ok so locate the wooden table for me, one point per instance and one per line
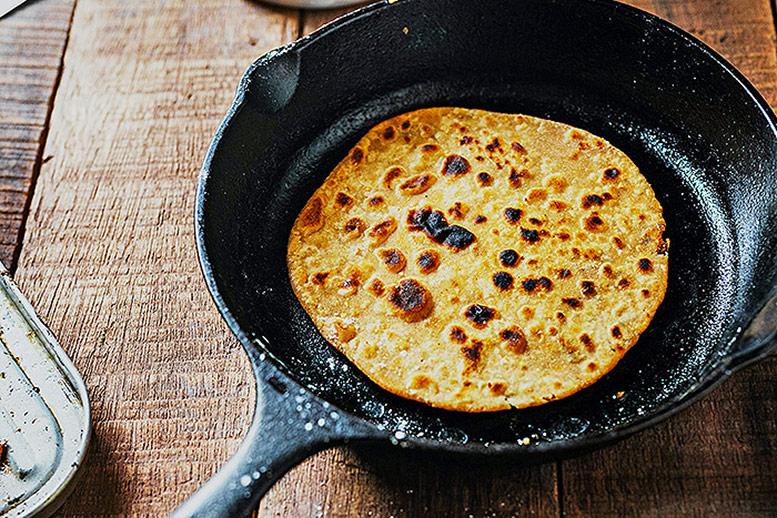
(106, 109)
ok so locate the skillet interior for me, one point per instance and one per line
(703, 139)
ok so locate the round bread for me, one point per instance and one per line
(478, 261)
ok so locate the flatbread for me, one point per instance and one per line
(478, 261)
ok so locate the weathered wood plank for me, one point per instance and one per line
(32, 43)
(312, 20)
(346, 482)
(108, 259)
(717, 458)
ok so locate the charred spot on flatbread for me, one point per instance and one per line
(457, 335)
(354, 228)
(515, 179)
(479, 315)
(394, 260)
(410, 300)
(594, 223)
(531, 285)
(417, 184)
(512, 215)
(455, 166)
(472, 355)
(509, 257)
(320, 278)
(484, 179)
(380, 232)
(530, 235)
(502, 280)
(376, 287)
(375, 201)
(515, 339)
(391, 175)
(458, 210)
(588, 288)
(436, 227)
(572, 302)
(342, 200)
(312, 217)
(428, 261)
(357, 155)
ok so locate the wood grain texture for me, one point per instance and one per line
(717, 458)
(312, 20)
(109, 259)
(32, 42)
(383, 483)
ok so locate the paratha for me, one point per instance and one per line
(478, 261)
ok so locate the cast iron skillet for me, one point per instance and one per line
(700, 133)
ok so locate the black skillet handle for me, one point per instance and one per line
(759, 337)
(289, 424)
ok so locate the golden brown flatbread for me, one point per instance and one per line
(479, 261)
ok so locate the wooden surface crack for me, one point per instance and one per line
(32, 46)
(39, 161)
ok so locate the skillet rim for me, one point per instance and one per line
(558, 448)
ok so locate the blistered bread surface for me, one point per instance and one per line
(478, 261)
